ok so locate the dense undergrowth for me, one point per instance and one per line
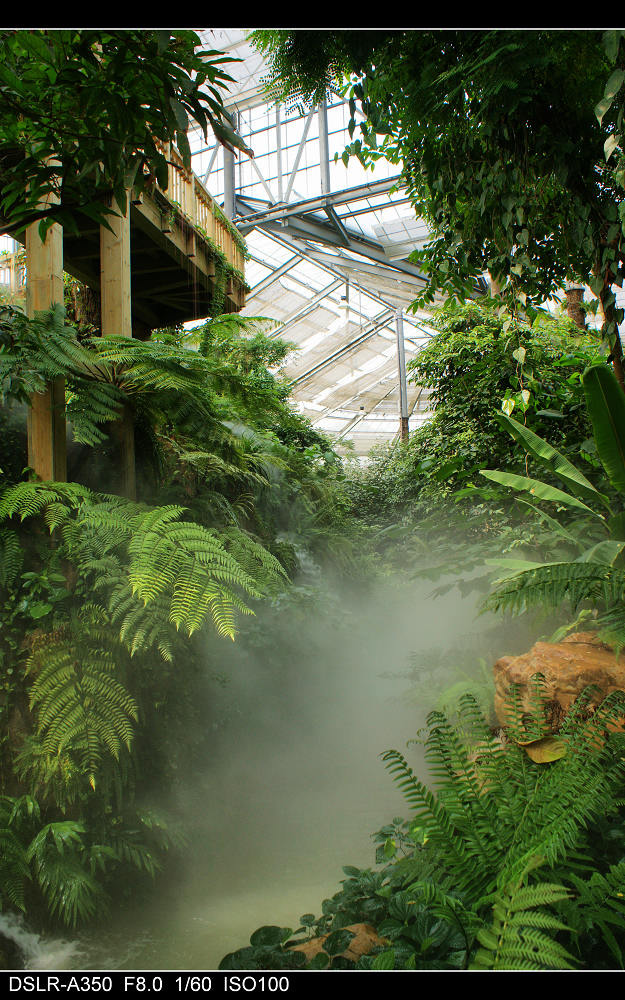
(504, 862)
(105, 603)
(103, 598)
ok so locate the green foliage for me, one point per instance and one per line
(596, 575)
(77, 699)
(424, 497)
(505, 863)
(528, 203)
(92, 585)
(517, 938)
(85, 114)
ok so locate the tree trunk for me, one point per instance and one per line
(574, 299)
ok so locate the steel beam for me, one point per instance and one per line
(317, 204)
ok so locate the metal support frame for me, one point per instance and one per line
(324, 147)
(302, 224)
(366, 334)
(362, 416)
(403, 390)
(298, 155)
(304, 310)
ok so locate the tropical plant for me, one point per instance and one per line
(88, 113)
(596, 574)
(505, 862)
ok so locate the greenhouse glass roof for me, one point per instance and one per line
(328, 251)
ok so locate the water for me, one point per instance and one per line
(39, 952)
(294, 786)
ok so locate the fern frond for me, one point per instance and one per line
(71, 891)
(495, 810)
(31, 499)
(77, 699)
(600, 904)
(551, 584)
(518, 937)
(90, 404)
(11, 557)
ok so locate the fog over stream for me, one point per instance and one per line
(293, 785)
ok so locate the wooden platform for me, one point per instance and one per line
(176, 239)
(168, 258)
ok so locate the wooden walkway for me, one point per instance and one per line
(179, 241)
(170, 258)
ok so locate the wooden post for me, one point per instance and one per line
(117, 322)
(47, 454)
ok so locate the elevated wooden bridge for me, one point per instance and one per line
(185, 257)
(171, 258)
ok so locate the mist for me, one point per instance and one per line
(290, 786)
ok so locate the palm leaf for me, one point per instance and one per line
(538, 489)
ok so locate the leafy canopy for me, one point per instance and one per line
(84, 114)
(500, 146)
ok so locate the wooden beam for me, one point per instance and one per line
(115, 276)
(46, 417)
(117, 322)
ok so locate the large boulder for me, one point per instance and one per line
(567, 667)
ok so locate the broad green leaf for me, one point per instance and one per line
(182, 120)
(616, 525)
(515, 565)
(603, 552)
(553, 524)
(606, 406)
(385, 960)
(447, 469)
(269, 935)
(610, 145)
(543, 452)
(540, 490)
(507, 406)
(614, 84)
(228, 137)
(39, 610)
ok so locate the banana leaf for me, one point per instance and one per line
(606, 406)
(557, 463)
(539, 490)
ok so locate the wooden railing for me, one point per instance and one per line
(187, 191)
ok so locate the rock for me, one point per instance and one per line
(365, 940)
(568, 667)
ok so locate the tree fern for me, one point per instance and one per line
(160, 555)
(78, 700)
(36, 351)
